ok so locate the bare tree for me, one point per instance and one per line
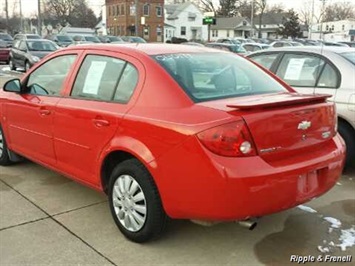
(339, 11)
(305, 13)
(276, 8)
(261, 4)
(206, 5)
(227, 8)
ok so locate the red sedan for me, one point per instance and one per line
(172, 131)
(4, 52)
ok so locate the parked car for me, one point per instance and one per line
(350, 44)
(335, 44)
(109, 39)
(61, 40)
(22, 36)
(228, 40)
(172, 131)
(26, 53)
(277, 44)
(4, 52)
(235, 48)
(86, 38)
(6, 38)
(324, 69)
(133, 39)
(253, 47)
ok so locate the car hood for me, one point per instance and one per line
(40, 54)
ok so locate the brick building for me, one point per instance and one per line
(121, 18)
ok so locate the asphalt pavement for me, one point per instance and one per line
(48, 219)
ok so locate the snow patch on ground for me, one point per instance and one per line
(347, 238)
(335, 223)
(306, 208)
(323, 249)
(6, 68)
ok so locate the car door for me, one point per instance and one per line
(29, 115)
(308, 73)
(21, 54)
(87, 119)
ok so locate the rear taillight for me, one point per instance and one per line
(232, 140)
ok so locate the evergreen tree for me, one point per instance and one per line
(291, 26)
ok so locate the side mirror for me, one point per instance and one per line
(13, 85)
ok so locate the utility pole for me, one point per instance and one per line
(311, 22)
(21, 21)
(7, 15)
(39, 25)
(252, 18)
(137, 17)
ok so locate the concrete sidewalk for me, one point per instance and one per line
(47, 219)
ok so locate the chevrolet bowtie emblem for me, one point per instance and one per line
(304, 125)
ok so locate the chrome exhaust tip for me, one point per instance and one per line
(250, 224)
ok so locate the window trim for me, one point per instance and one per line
(148, 13)
(117, 83)
(63, 90)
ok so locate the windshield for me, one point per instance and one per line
(138, 40)
(64, 38)
(92, 39)
(238, 49)
(41, 46)
(210, 76)
(350, 56)
(5, 37)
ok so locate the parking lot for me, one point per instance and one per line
(47, 219)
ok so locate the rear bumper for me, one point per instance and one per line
(206, 186)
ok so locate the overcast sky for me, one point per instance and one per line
(29, 7)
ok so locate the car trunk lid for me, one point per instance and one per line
(283, 123)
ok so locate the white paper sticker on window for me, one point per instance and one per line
(93, 77)
(294, 68)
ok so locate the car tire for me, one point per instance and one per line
(4, 152)
(27, 66)
(348, 134)
(135, 202)
(12, 64)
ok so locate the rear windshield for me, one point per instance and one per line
(92, 39)
(211, 76)
(350, 56)
(33, 37)
(41, 46)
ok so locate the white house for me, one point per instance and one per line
(184, 21)
(341, 30)
(231, 27)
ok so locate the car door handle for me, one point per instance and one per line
(101, 122)
(44, 112)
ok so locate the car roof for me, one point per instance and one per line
(312, 49)
(145, 48)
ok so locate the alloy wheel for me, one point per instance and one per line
(129, 203)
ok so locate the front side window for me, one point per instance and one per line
(209, 76)
(48, 79)
(300, 70)
(105, 78)
(266, 60)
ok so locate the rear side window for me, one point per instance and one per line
(210, 76)
(266, 60)
(300, 70)
(105, 78)
(328, 78)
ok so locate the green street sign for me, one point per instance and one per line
(209, 21)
